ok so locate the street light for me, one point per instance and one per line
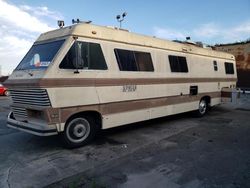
(120, 18)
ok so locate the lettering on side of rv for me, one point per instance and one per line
(129, 88)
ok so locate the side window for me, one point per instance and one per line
(183, 64)
(96, 58)
(126, 60)
(173, 61)
(133, 60)
(215, 66)
(88, 55)
(229, 68)
(178, 63)
(144, 61)
(67, 62)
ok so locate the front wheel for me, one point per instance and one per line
(202, 109)
(79, 131)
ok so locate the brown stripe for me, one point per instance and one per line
(226, 94)
(99, 82)
(55, 115)
(125, 106)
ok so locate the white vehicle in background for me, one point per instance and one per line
(79, 79)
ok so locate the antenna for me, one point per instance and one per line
(120, 18)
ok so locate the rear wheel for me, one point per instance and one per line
(79, 131)
(202, 109)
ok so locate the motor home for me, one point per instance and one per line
(79, 79)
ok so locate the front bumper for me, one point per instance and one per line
(40, 130)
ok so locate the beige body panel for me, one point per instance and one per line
(151, 113)
(73, 96)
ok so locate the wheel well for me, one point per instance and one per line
(207, 99)
(94, 114)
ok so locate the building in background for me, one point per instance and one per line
(241, 51)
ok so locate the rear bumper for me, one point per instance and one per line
(40, 130)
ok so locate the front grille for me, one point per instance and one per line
(22, 98)
(19, 113)
(32, 97)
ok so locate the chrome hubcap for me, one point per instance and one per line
(78, 130)
(202, 107)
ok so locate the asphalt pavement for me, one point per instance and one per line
(176, 151)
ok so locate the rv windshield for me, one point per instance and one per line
(40, 55)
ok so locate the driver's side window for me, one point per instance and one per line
(84, 55)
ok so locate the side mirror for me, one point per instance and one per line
(76, 65)
(78, 61)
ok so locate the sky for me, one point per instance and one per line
(212, 22)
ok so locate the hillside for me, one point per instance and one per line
(241, 51)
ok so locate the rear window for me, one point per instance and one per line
(229, 68)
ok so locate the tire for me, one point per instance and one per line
(202, 108)
(6, 93)
(79, 131)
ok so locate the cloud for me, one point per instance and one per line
(168, 33)
(210, 33)
(208, 30)
(243, 28)
(15, 16)
(20, 25)
(12, 50)
(42, 11)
